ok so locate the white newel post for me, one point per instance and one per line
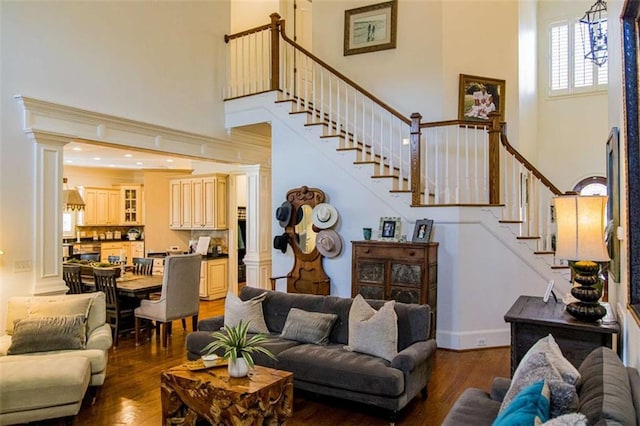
(47, 265)
(258, 242)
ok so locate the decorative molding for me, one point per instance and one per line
(74, 122)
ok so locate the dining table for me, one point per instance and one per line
(132, 285)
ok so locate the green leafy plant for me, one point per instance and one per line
(235, 343)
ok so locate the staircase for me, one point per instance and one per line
(464, 174)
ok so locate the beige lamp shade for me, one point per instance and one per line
(580, 221)
(71, 200)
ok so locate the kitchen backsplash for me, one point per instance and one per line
(218, 238)
(112, 231)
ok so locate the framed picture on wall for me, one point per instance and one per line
(370, 28)
(613, 203)
(422, 231)
(390, 228)
(480, 96)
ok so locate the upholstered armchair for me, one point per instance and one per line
(180, 296)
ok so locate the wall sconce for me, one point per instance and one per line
(595, 28)
(580, 240)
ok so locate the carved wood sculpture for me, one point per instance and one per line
(307, 274)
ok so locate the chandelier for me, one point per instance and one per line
(595, 42)
(71, 198)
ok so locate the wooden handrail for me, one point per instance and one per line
(469, 123)
(229, 37)
(528, 165)
(344, 78)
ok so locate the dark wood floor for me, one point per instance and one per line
(131, 392)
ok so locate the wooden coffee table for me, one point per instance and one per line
(264, 397)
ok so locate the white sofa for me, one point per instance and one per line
(50, 384)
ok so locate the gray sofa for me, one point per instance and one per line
(608, 394)
(330, 369)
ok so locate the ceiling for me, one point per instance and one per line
(92, 155)
(82, 154)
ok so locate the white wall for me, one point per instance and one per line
(148, 61)
(619, 293)
(247, 14)
(573, 130)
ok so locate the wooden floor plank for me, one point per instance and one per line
(131, 392)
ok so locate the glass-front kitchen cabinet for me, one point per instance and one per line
(131, 204)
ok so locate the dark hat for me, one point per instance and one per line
(280, 242)
(283, 214)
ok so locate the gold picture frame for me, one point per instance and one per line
(390, 229)
(370, 28)
(479, 96)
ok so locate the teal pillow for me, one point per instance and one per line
(529, 407)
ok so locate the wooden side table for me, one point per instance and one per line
(531, 319)
(265, 397)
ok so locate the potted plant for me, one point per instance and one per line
(237, 347)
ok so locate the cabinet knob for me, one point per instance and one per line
(412, 253)
(366, 250)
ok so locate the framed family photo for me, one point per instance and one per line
(422, 231)
(480, 96)
(370, 28)
(390, 228)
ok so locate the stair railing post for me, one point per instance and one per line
(494, 158)
(416, 179)
(275, 51)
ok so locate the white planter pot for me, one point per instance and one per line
(239, 368)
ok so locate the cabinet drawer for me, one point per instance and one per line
(408, 253)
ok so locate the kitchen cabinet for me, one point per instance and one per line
(406, 272)
(102, 206)
(129, 249)
(213, 278)
(131, 204)
(198, 202)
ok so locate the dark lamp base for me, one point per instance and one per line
(586, 311)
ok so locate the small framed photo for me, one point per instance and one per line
(422, 231)
(370, 28)
(390, 228)
(480, 96)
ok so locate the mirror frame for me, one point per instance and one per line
(298, 197)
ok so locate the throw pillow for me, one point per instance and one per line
(248, 311)
(308, 327)
(529, 407)
(373, 332)
(54, 307)
(571, 419)
(549, 346)
(45, 334)
(564, 398)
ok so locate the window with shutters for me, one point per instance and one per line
(569, 72)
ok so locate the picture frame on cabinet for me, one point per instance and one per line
(422, 231)
(390, 228)
(479, 96)
(370, 28)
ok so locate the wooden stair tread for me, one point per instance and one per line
(544, 252)
(528, 238)
(560, 267)
(510, 221)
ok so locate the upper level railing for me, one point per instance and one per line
(455, 162)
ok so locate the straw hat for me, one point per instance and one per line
(328, 243)
(324, 215)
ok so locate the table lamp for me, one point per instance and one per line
(580, 240)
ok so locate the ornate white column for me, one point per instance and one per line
(47, 264)
(258, 241)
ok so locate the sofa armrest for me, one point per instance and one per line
(211, 324)
(100, 338)
(499, 388)
(413, 355)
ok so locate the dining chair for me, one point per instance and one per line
(142, 265)
(179, 299)
(119, 314)
(113, 259)
(73, 278)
